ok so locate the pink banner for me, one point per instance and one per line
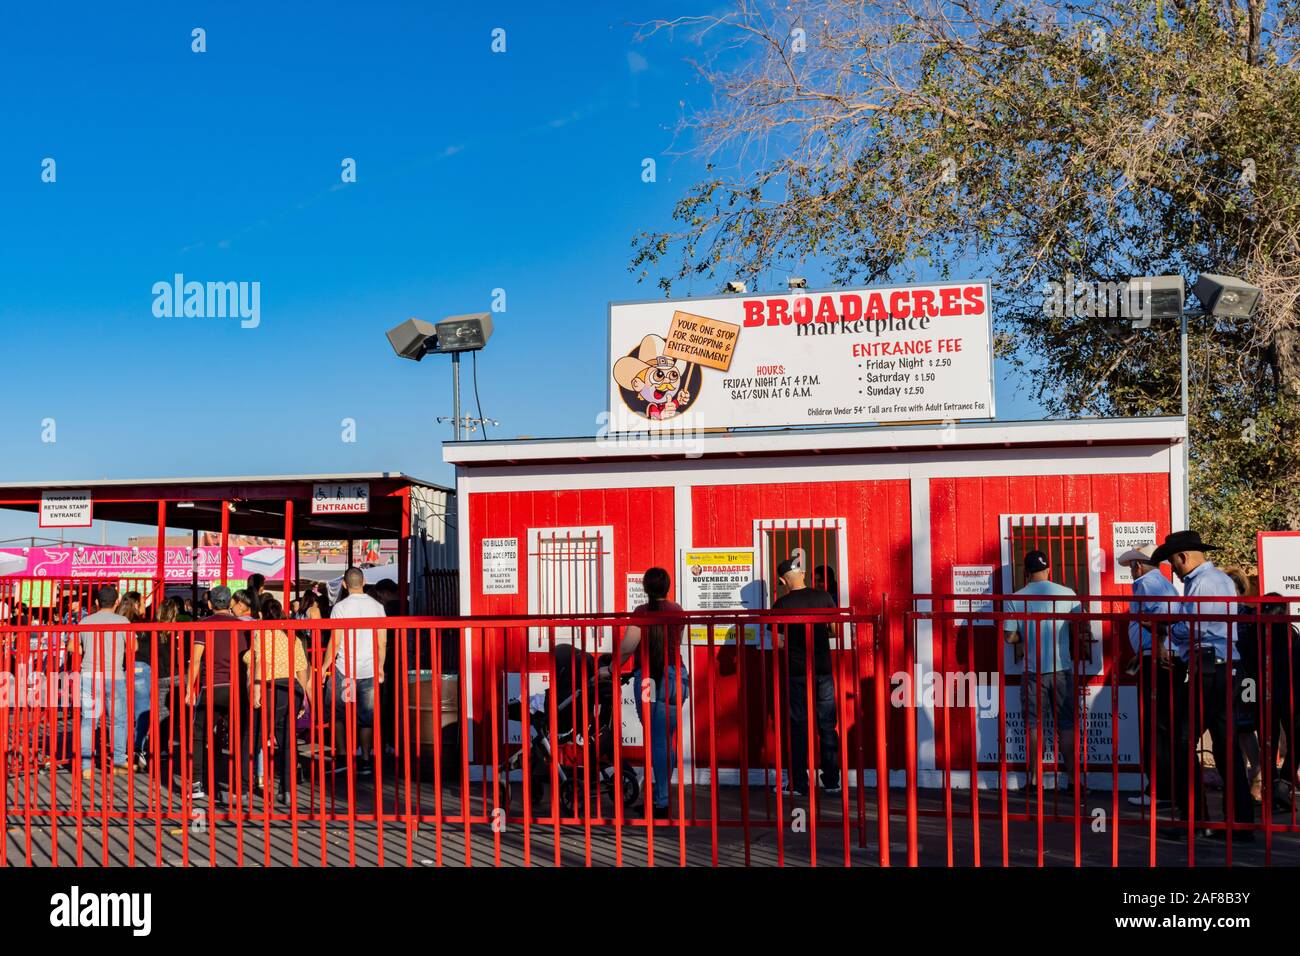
(109, 562)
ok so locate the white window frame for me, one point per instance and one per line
(538, 639)
(764, 564)
(1096, 561)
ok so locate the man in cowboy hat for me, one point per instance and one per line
(1153, 593)
(654, 377)
(1202, 652)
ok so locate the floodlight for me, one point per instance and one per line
(413, 339)
(1226, 297)
(1154, 297)
(463, 333)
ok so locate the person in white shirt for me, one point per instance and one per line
(103, 682)
(358, 656)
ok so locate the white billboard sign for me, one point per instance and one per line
(889, 354)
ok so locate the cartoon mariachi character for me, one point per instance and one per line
(655, 379)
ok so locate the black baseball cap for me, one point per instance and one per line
(1035, 561)
(785, 567)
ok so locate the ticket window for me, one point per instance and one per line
(815, 544)
(1064, 539)
(570, 572)
(1070, 542)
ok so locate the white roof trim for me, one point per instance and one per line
(1085, 431)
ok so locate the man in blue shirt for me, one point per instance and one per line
(1049, 674)
(1153, 593)
(1204, 657)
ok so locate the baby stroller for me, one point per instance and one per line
(572, 752)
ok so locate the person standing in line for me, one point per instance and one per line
(256, 593)
(1049, 672)
(666, 680)
(103, 665)
(150, 648)
(799, 597)
(1206, 661)
(223, 650)
(358, 655)
(278, 659)
(1153, 593)
(1281, 642)
(1246, 714)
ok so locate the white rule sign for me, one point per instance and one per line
(340, 497)
(65, 509)
(888, 354)
(1279, 565)
(636, 595)
(500, 565)
(1126, 535)
(973, 579)
(1094, 709)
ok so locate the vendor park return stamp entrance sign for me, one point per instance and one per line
(65, 509)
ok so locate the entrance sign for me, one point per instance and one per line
(888, 354)
(719, 581)
(65, 509)
(180, 563)
(334, 498)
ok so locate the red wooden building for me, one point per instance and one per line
(892, 510)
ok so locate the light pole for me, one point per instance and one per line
(1162, 297)
(1222, 297)
(455, 394)
(1187, 423)
(416, 338)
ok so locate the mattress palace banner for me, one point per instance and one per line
(844, 356)
(104, 562)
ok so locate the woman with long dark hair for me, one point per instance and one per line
(277, 659)
(666, 676)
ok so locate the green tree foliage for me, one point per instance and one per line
(886, 139)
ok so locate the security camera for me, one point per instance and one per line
(734, 286)
(796, 283)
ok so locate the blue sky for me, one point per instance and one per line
(475, 171)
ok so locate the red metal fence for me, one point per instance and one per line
(436, 764)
